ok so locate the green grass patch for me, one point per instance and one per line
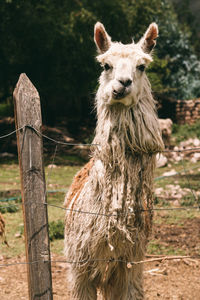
(8, 208)
(9, 177)
(63, 160)
(157, 248)
(189, 179)
(14, 224)
(58, 181)
(174, 217)
(15, 228)
(60, 177)
(56, 178)
(56, 230)
(186, 131)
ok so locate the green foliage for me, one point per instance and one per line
(157, 72)
(155, 247)
(188, 16)
(6, 110)
(52, 41)
(56, 230)
(6, 208)
(186, 131)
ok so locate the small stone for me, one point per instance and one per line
(18, 235)
(176, 203)
(161, 160)
(196, 142)
(169, 173)
(52, 166)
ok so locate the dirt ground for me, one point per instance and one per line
(174, 280)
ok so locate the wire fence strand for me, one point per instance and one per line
(187, 208)
(110, 260)
(81, 144)
(107, 260)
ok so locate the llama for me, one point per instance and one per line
(116, 184)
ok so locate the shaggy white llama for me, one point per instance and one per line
(118, 179)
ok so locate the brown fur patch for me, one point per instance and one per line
(2, 225)
(2, 229)
(78, 183)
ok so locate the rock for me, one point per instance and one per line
(166, 129)
(52, 166)
(177, 158)
(6, 154)
(18, 235)
(196, 156)
(161, 160)
(176, 203)
(159, 191)
(196, 142)
(169, 173)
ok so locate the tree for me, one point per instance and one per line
(52, 41)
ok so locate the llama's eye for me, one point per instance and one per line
(141, 68)
(107, 67)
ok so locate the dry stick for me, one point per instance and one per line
(161, 259)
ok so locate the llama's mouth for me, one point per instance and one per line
(120, 94)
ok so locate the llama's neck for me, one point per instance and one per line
(128, 138)
(122, 129)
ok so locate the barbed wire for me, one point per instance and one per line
(129, 263)
(81, 144)
(104, 214)
(110, 260)
(190, 187)
(65, 190)
(94, 213)
(45, 136)
(11, 133)
(177, 173)
(182, 150)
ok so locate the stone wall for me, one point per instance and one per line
(187, 111)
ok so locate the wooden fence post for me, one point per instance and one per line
(33, 188)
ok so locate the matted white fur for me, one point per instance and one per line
(120, 181)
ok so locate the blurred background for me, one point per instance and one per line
(52, 42)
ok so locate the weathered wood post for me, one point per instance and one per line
(33, 188)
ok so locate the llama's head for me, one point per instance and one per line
(124, 65)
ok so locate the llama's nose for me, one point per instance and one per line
(125, 82)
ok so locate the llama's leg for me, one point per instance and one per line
(135, 285)
(113, 293)
(81, 287)
(85, 291)
(117, 285)
(135, 292)
(125, 285)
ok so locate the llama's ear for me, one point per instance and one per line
(148, 41)
(101, 38)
